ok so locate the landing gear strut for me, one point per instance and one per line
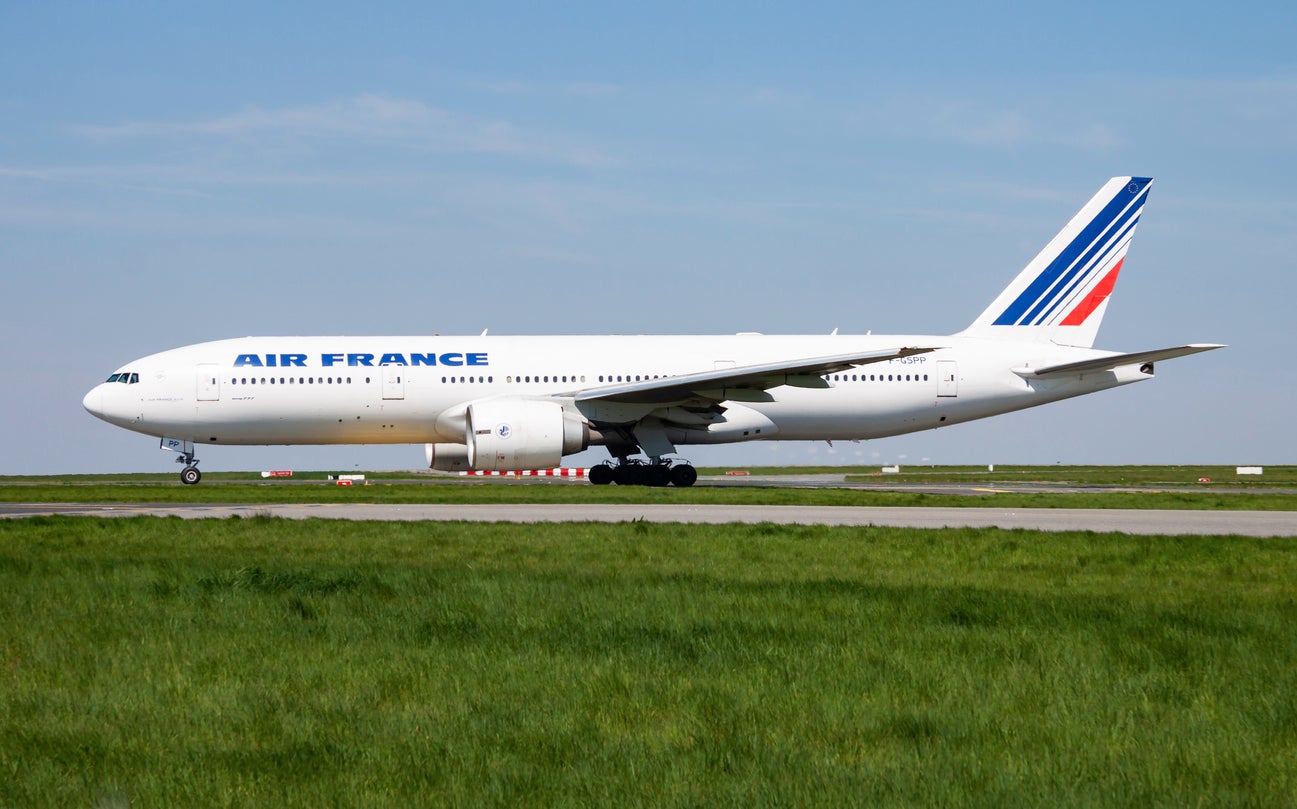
(632, 472)
(190, 474)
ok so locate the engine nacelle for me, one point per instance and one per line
(509, 435)
(447, 457)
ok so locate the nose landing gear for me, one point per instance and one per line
(190, 474)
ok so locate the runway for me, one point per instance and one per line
(1129, 521)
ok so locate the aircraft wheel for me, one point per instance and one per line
(600, 475)
(684, 475)
(190, 475)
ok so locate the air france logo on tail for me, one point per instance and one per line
(1079, 278)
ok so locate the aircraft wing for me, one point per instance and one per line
(1115, 361)
(726, 383)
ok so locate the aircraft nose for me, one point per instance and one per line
(94, 401)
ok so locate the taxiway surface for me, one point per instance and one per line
(1129, 521)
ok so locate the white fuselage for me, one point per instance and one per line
(385, 390)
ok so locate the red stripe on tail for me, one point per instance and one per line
(1097, 296)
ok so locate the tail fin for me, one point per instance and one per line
(1062, 294)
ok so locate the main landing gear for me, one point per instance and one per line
(632, 472)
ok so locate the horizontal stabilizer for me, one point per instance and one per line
(1115, 361)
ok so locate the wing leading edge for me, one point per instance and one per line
(802, 372)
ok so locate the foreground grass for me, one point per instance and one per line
(263, 662)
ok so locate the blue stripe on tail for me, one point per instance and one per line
(1036, 296)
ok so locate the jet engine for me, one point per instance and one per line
(509, 435)
(447, 457)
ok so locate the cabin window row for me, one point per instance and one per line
(533, 378)
(300, 380)
(629, 378)
(878, 377)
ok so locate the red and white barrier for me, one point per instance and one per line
(278, 473)
(565, 472)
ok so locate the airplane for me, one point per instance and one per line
(512, 403)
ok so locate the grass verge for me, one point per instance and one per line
(455, 491)
(237, 662)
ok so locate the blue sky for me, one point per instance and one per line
(172, 175)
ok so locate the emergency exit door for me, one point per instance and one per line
(947, 378)
(209, 383)
(393, 379)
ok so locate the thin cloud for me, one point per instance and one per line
(963, 122)
(366, 119)
(1013, 128)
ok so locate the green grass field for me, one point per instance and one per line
(1164, 488)
(161, 662)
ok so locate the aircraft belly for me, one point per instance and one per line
(238, 421)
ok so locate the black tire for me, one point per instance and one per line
(600, 475)
(684, 475)
(190, 475)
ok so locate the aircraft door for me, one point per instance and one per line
(947, 378)
(393, 378)
(209, 383)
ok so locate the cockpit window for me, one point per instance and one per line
(125, 378)
(114, 377)
(135, 378)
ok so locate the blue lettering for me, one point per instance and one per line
(367, 360)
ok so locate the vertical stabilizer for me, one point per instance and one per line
(1062, 294)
